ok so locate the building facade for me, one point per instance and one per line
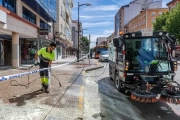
(110, 38)
(75, 35)
(144, 20)
(128, 12)
(21, 29)
(172, 4)
(62, 28)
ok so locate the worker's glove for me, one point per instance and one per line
(36, 63)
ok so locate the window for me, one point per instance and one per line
(160, 13)
(61, 11)
(73, 29)
(9, 4)
(153, 14)
(45, 25)
(28, 15)
(153, 20)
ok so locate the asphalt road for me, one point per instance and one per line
(103, 101)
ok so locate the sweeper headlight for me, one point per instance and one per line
(126, 65)
(174, 65)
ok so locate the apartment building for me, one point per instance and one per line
(25, 27)
(63, 27)
(110, 38)
(172, 4)
(144, 20)
(75, 33)
(128, 12)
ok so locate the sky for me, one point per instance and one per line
(98, 18)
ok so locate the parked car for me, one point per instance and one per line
(104, 56)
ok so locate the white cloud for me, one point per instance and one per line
(108, 32)
(103, 8)
(97, 24)
(89, 17)
(117, 2)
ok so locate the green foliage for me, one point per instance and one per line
(84, 41)
(160, 23)
(169, 21)
(173, 22)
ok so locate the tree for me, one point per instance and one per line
(160, 23)
(173, 22)
(169, 22)
(84, 44)
(84, 41)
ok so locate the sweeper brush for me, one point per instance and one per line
(171, 93)
(143, 94)
(144, 97)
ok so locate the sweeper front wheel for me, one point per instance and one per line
(119, 84)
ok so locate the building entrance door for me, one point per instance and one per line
(7, 52)
(1, 52)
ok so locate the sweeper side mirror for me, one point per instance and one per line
(116, 42)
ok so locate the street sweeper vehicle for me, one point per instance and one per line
(141, 64)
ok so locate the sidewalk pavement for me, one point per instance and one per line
(29, 103)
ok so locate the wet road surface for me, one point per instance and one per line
(103, 101)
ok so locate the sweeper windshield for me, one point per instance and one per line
(141, 53)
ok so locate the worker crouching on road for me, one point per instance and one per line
(46, 56)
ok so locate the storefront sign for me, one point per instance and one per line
(43, 32)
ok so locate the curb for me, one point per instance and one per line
(94, 68)
(98, 66)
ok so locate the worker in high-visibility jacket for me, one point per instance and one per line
(46, 55)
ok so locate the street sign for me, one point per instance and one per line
(147, 32)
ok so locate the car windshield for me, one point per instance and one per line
(105, 53)
(141, 53)
(101, 50)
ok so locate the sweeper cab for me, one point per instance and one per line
(141, 64)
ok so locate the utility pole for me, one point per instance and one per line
(89, 47)
(79, 5)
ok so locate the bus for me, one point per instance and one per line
(99, 49)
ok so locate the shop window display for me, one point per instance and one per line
(28, 51)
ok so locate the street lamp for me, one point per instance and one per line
(79, 5)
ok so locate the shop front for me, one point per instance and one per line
(5, 51)
(29, 48)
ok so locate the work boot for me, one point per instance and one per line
(43, 87)
(46, 89)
